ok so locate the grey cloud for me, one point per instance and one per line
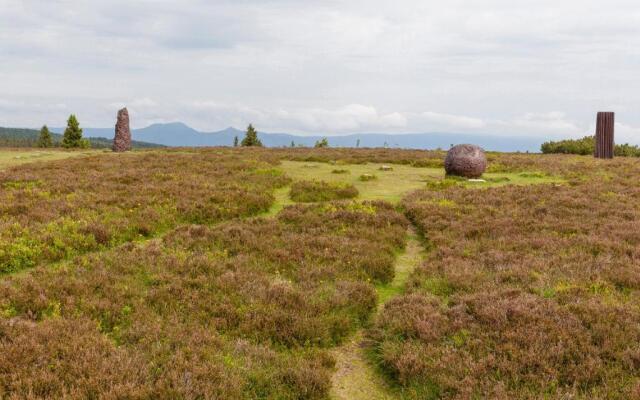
(529, 67)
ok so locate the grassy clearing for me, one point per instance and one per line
(402, 179)
(390, 185)
(11, 158)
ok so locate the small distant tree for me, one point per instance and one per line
(293, 144)
(73, 135)
(45, 140)
(322, 143)
(251, 138)
(235, 141)
(358, 143)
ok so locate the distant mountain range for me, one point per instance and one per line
(179, 134)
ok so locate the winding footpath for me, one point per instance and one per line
(355, 377)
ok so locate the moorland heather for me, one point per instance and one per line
(527, 291)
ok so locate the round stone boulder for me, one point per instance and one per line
(465, 160)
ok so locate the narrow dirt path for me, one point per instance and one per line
(355, 378)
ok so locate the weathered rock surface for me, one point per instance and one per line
(122, 139)
(466, 160)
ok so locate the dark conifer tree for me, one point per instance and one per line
(251, 138)
(45, 140)
(73, 134)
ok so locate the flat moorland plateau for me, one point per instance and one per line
(317, 273)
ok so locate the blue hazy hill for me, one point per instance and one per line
(179, 134)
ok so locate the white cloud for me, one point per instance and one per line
(554, 122)
(451, 121)
(626, 134)
(350, 118)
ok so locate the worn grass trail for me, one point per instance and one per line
(355, 377)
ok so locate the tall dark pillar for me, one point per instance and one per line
(604, 135)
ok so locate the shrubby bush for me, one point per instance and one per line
(586, 146)
(367, 177)
(314, 191)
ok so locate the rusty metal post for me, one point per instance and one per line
(604, 135)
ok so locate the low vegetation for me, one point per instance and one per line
(240, 310)
(416, 158)
(314, 191)
(367, 177)
(190, 274)
(19, 156)
(51, 211)
(527, 292)
(586, 146)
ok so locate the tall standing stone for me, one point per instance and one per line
(604, 135)
(122, 139)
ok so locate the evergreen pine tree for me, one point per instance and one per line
(235, 141)
(251, 138)
(324, 142)
(73, 134)
(293, 144)
(45, 138)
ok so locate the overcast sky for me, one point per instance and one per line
(510, 67)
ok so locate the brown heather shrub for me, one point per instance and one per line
(242, 309)
(315, 191)
(50, 211)
(418, 158)
(60, 358)
(528, 291)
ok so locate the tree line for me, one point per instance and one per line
(71, 138)
(586, 146)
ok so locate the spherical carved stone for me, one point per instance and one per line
(122, 139)
(466, 160)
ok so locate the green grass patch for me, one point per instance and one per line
(11, 158)
(402, 179)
